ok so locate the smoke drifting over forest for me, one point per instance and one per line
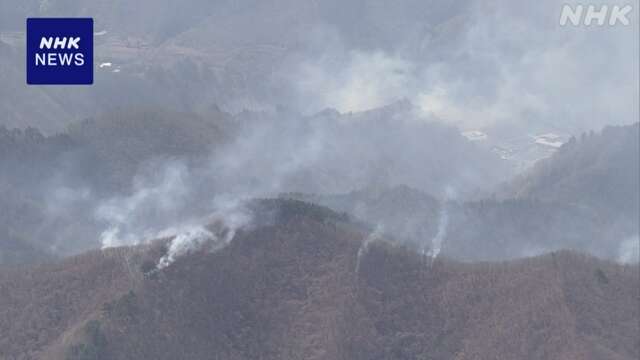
(327, 99)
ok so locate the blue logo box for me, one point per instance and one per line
(59, 51)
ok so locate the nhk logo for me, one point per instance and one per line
(56, 58)
(589, 15)
(59, 51)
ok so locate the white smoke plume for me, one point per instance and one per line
(629, 252)
(168, 204)
(364, 247)
(443, 225)
(145, 213)
(436, 242)
(185, 242)
(223, 225)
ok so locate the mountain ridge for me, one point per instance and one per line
(290, 288)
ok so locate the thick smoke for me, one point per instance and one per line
(498, 63)
(163, 193)
(154, 203)
(172, 205)
(222, 228)
(473, 64)
(286, 152)
(185, 242)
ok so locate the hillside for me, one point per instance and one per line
(401, 213)
(489, 230)
(483, 230)
(597, 170)
(585, 197)
(288, 288)
(122, 141)
(16, 251)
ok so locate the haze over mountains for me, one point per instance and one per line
(472, 64)
(583, 197)
(140, 172)
(133, 175)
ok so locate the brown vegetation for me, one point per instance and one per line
(289, 290)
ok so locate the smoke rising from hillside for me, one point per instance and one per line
(329, 153)
(285, 152)
(375, 235)
(436, 243)
(219, 231)
(126, 177)
(170, 203)
(154, 203)
(443, 225)
(185, 242)
(629, 252)
(470, 64)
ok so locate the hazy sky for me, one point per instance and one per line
(497, 61)
(471, 63)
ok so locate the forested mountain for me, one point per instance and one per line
(596, 170)
(584, 197)
(306, 284)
